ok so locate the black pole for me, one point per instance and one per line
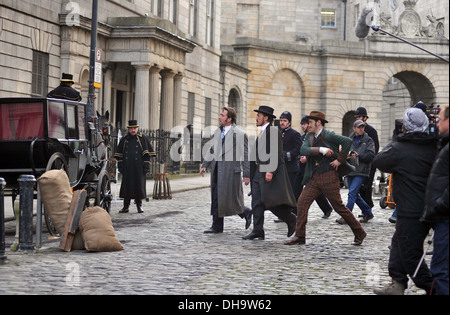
(90, 102)
(376, 29)
(2, 221)
(26, 186)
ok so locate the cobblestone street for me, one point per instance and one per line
(166, 252)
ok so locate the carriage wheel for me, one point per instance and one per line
(383, 202)
(103, 195)
(56, 162)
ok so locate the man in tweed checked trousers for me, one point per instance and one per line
(321, 176)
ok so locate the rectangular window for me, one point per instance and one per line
(20, 121)
(173, 11)
(210, 22)
(208, 108)
(355, 21)
(193, 17)
(191, 108)
(328, 18)
(56, 121)
(39, 80)
(72, 120)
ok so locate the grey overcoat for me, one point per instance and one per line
(230, 157)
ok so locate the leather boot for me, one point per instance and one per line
(247, 215)
(139, 206)
(395, 288)
(259, 235)
(126, 205)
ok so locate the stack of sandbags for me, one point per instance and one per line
(97, 232)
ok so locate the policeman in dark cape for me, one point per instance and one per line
(133, 160)
(65, 89)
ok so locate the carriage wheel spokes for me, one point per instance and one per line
(103, 193)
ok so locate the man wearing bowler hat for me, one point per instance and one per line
(321, 176)
(270, 184)
(65, 89)
(133, 161)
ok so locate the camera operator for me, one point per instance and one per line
(409, 158)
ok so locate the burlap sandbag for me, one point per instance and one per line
(56, 196)
(97, 231)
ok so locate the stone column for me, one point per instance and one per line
(107, 84)
(166, 119)
(177, 99)
(154, 97)
(141, 102)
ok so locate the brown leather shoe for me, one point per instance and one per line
(295, 240)
(359, 239)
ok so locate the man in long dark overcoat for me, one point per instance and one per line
(133, 161)
(228, 161)
(270, 184)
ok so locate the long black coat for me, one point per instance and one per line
(133, 161)
(65, 92)
(267, 156)
(436, 197)
(409, 159)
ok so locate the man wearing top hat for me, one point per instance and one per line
(321, 176)
(270, 184)
(65, 89)
(133, 160)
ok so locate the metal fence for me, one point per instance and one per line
(162, 142)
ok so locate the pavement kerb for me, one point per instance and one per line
(179, 184)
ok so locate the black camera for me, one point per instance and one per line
(433, 113)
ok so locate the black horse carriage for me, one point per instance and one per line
(40, 134)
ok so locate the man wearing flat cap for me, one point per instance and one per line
(366, 188)
(270, 184)
(321, 176)
(65, 89)
(133, 161)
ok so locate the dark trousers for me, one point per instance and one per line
(258, 209)
(365, 191)
(217, 221)
(328, 184)
(406, 252)
(439, 262)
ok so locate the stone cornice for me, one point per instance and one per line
(140, 30)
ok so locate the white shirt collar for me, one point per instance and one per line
(264, 127)
(226, 129)
(318, 133)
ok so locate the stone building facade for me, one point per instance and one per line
(172, 62)
(305, 56)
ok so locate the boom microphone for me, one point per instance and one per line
(364, 25)
(362, 28)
